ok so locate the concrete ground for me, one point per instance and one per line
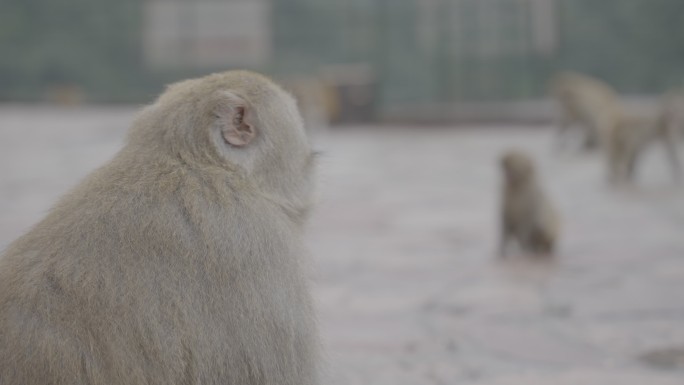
(404, 238)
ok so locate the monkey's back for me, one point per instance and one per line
(140, 288)
(585, 98)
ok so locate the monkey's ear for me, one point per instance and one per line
(236, 119)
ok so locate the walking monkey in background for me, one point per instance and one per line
(588, 104)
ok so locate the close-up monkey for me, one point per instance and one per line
(181, 261)
(527, 215)
(632, 135)
(586, 103)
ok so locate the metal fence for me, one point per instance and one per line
(487, 50)
(418, 51)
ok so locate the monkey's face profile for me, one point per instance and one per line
(517, 168)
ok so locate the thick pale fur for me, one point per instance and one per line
(587, 103)
(627, 141)
(178, 262)
(672, 112)
(527, 215)
(632, 135)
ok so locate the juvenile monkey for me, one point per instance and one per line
(588, 103)
(527, 216)
(178, 262)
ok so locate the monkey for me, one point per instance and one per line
(672, 112)
(527, 215)
(625, 144)
(588, 103)
(632, 135)
(181, 260)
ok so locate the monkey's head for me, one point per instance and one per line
(239, 121)
(518, 168)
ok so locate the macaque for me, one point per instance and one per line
(672, 112)
(527, 215)
(181, 261)
(630, 138)
(587, 103)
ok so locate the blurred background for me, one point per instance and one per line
(413, 102)
(425, 54)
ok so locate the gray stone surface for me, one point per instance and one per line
(407, 283)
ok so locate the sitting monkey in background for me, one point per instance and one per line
(527, 216)
(178, 262)
(588, 103)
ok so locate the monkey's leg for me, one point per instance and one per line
(673, 157)
(600, 133)
(563, 125)
(630, 161)
(541, 244)
(505, 239)
(621, 155)
(615, 164)
(591, 139)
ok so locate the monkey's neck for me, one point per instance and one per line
(297, 212)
